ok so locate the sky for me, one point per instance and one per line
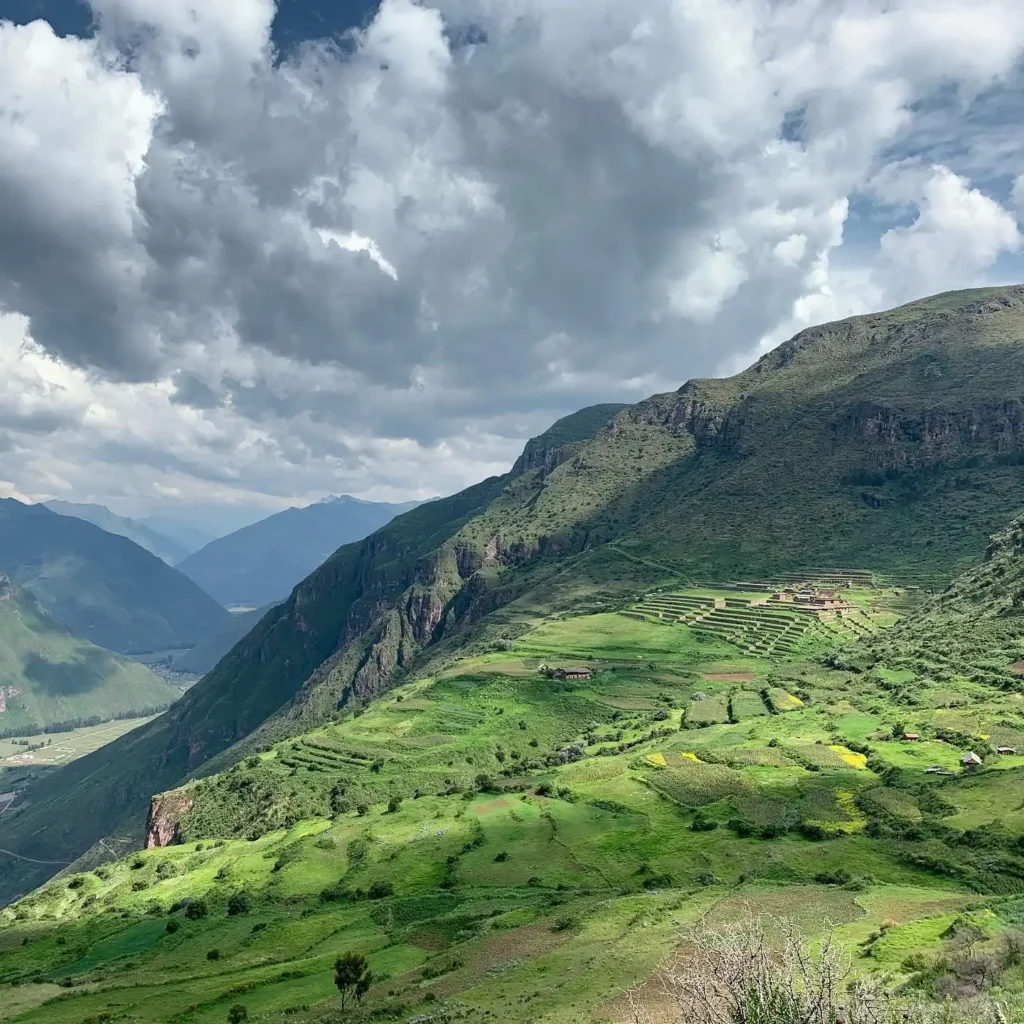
(250, 257)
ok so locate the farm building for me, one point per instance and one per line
(911, 736)
(1006, 750)
(573, 673)
(970, 759)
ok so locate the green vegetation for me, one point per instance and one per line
(487, 842)
(884, 442)
(387, 765)
(49, 676)
(104, 587)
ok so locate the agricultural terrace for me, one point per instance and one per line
(518, 848)
(790, 616)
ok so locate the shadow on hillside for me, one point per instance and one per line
(67, 678)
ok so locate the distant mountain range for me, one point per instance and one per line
(260, 564)
(185, 535)
(49, 676)
(102, 586)
(170, 550)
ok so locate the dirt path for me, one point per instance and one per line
(653, 565)
(32, 860)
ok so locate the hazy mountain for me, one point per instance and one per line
(146, 537)
(103, 586)
(261, 563)
(49, 675)
(186, 535)
(890, 442)
(204, 656)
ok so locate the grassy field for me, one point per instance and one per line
(506, 846)
(59, 748)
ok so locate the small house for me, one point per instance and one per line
(1006, 750)
(573, 673)
(970, 760)
(913, 736)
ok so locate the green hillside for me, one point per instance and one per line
(104, 587)
(890, 442)
(504, 844)
(50, 676)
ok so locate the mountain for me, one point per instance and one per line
(99, 515)
(102, 586)
(204, 656)
(185, 535)
(891, 442)
(50, 676)
(262, 562)
(722, 753)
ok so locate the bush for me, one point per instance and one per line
(393, 804)
(838, 877)
(563, 924)
(501, 857)
(77, 882)
(237, 1014)
(380, 890)
(238, 903)
(172, 927)
(196, 910)
(213, 954)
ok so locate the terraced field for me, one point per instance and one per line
(752, 616)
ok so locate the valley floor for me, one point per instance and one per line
(507, 845)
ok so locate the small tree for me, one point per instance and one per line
(237, 1014)
(238, 903)
(353, 976)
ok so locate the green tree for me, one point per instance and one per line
(237, 1014)
(353, 976)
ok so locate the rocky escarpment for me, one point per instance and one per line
(164, 819)
(927, 437)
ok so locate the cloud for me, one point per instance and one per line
(378, 267)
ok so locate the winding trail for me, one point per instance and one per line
(32, 860)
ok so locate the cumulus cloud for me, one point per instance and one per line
(378, 267)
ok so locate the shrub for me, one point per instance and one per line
(77, 882)
(393, 804)
(380, 890)
(362, 810)
(213, 954)
(501, 857)
(138, 863)
(196, 910)
(238, 903)
(237, 1014)
(172, 927)
(563, 924)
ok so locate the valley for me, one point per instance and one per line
(503, 843)
(749, 647)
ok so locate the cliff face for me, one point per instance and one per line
(165, 813)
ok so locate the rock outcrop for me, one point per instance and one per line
(163, 825)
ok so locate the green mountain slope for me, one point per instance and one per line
(50, 676)
(260, 563)
(99, 515)
(204, 656)
(507, 845)
(888, 442)
(104, 587)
